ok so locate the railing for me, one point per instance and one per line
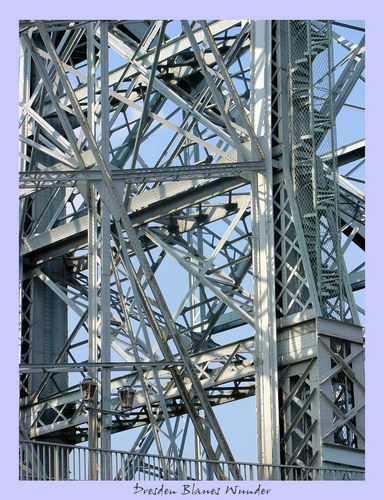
(41, 461)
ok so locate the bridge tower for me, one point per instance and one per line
(191, 236)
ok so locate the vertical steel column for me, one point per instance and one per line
(196, 237)
(191, 237)
(262, 253)
(105, 292)
(92, 256)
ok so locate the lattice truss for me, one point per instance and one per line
(170, 208)
(329, 383)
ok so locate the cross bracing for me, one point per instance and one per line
(183, 202)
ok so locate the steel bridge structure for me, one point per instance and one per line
(192, 231)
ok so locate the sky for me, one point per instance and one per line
(9, 251)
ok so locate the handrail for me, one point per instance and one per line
(41, 460)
